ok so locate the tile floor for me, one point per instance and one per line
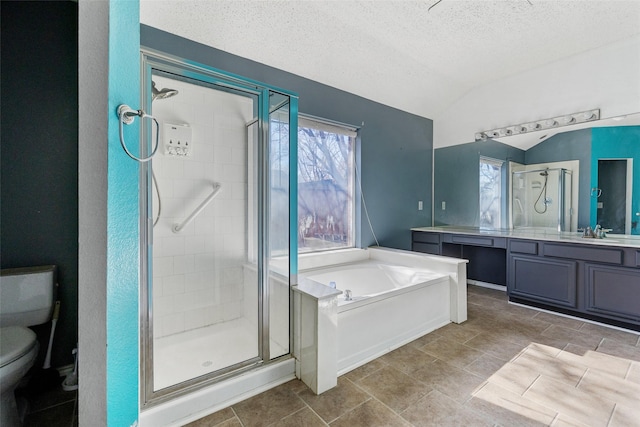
(53, 408)
(506, 366)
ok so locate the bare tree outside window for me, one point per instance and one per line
(325, 188)
(490, 193)
(325, 184)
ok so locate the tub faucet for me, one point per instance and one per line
(347, 295)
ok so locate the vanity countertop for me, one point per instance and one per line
(632, 241)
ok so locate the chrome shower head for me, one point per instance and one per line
(161, 94)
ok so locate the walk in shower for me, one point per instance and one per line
(215, 207)
(541, 199)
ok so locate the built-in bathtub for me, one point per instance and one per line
(390, 305)
(396, 297)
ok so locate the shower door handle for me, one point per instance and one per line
(149, 231)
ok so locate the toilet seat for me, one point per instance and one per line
(16, 342)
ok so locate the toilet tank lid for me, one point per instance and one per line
(27, 295)
(16, 342)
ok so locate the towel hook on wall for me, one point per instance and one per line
(126, 116)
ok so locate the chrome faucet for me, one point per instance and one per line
(601, 233)
(596, 233)
(347, 295)
(588, 232)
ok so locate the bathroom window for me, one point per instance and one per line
(325, 186)
(490, 192)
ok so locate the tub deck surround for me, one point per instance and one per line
(596, 279)
(333, 336)
(455, 268)
(315, 317)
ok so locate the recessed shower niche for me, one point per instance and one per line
(215, 211)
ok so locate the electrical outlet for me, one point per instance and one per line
(419, 205)
(444, 205)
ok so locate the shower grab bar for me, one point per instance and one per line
(178, 227)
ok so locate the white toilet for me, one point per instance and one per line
(26, 298)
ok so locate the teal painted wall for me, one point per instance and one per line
(457, 180)
(123, 253)
(617, 142)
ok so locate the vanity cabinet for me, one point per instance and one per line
(590, 279)
(547, 280)
(486, 254)
(612, 291)
(427, 243)
(596, 282)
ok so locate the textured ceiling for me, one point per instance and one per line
(400, 53)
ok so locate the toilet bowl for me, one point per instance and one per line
(26, 299)
(18, 351)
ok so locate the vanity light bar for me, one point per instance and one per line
(554, 122)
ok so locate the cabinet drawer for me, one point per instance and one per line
(545, 280)
(581, 252)
(473, 240)
(613, 291)
(426, 248)
(425, 237)
(524, 247)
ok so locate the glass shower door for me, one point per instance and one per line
(205, 292)
(278, 231)
(216, 209)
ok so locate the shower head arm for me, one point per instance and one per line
(161, 93)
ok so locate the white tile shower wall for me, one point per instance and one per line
(198, 272)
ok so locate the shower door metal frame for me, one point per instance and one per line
(154, 60)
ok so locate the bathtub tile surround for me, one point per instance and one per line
(534, 381)
(398, 296)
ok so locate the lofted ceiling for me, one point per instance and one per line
(417, 56)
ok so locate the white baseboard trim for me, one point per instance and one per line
(487, 285)
(581, 319)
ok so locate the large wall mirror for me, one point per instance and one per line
(580, 176)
